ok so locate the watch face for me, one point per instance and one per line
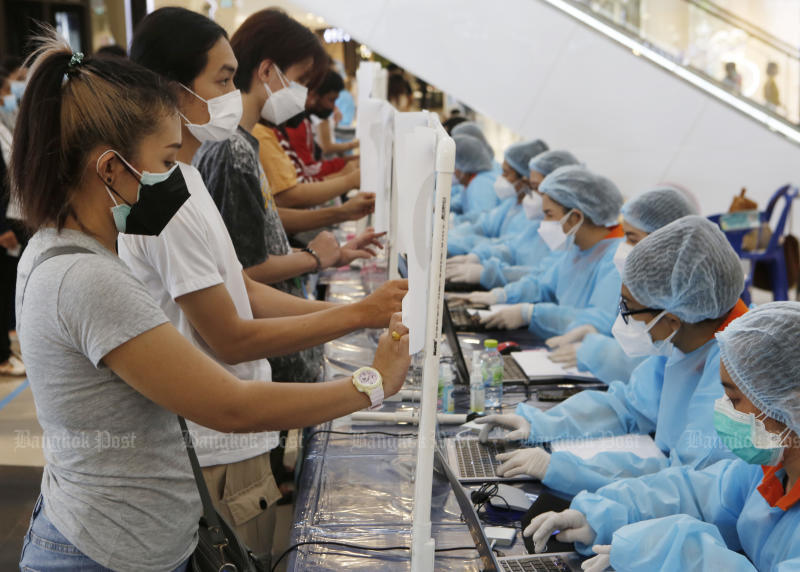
(368, 378)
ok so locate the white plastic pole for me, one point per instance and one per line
(422, 542)
(392, 249)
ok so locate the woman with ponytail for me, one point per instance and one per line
(94, 156)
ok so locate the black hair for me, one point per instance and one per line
(331, 82)
(272, 34)
(452, 121)
(71, 105)
(113, 51)
(11, 63)
(174, 42)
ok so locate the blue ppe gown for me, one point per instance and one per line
(673, 397)
(695, 520)
(479, 195)
(582, 288)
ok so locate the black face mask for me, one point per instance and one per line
(296, 120)
(323, 113)
(155, 207)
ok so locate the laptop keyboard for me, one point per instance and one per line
(463, 321)
(535, 564)
(511, 369)
(476, 460)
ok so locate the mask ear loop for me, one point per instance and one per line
(105, 184)
(280, 77)
(186, 119)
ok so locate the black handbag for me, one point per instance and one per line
(218, 547)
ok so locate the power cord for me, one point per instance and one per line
(297, 545)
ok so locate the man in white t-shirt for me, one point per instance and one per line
(239, 323)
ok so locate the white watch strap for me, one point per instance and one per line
(376, 397)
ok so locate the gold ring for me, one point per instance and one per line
(396, 337)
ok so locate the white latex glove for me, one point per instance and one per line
(463, 259)
(600, 562)
(533, 462)
(573, 526)
(572, 336)
(566, 355)
(469, 273)
(477, 298)
(521, 427)
(510, 318)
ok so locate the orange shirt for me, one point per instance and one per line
(771, 488)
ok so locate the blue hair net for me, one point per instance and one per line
(471, 128)
(759, 350)
(549, 161)
(653, 209)
(687, 268)
(519, 154)
(471, 155)
(576, 187)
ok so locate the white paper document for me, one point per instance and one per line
(641, 445)
(537, 365)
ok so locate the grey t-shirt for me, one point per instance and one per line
(117, 482)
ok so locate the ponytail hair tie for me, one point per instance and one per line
(74, 62)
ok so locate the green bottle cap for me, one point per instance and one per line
(489, 344)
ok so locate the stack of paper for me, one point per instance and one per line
(537, 366)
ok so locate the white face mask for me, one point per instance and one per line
(552, 232)
(503, 188)
(623, 250)
(635, 339)
(285, 103)
(224, 112)
(532, 203)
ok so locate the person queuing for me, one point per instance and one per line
(740, 514)
(192, 271)
(507, 259)
(580, 216)
(269, 68)
(681, 286)
(473, 171)
(583, 346)
(320, 105)
(94, 154)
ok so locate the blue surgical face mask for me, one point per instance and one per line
(9, 103)
(746, 436)
(17, 89)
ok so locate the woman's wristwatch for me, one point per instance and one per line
(368, 380)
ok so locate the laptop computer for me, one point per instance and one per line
(512, 372)
(490, 562)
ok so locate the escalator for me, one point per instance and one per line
(637, 100)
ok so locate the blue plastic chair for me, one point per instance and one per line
(773, 254)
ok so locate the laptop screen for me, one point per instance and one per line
(455, 346)
(488, 560)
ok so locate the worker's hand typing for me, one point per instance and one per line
(572, 524)
(512, 317)
(391, 357)
(327, 248)
(529, 461)
(463, 259)
(521, 429)
(572, 336)
(379, 307)
(469, 273)
(600, 562)
(477, 298)
(566, 355)
(361, 246)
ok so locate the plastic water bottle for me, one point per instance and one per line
(446, 388)
(477, 391)
(492, 367)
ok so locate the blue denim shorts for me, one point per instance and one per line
(46, 550)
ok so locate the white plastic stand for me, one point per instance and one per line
(422, 542)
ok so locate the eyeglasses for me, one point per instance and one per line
(625, 312)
